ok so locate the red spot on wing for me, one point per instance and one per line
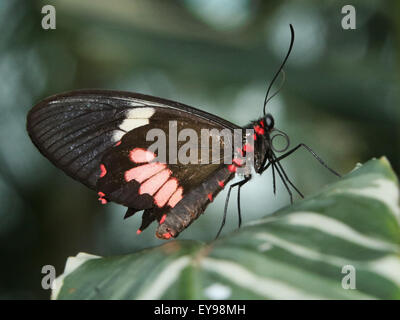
(118, 143)
(176, 197)
(163, 218)
(103, 170)
(221, 184)
(140, 155)
(262, 123)
(210, 197)
(232, 168)
(166, 191)
(101, 197)
(144, 172)
(155, 182)
(138, 231)
(254, 137)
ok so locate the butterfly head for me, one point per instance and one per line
(269, 122)
(263, 126)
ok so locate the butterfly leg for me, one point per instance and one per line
(238, 199)
(273, 179)
(284, 182)
(240, 183)
(276, 165)
(288, 180)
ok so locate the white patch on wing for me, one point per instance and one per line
(130, 124)
(117, 135)
(134, 118)
(139, 113)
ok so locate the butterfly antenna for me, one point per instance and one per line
(280, 68)
(280, 86)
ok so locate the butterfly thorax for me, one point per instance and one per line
(261, 140)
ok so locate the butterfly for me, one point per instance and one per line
(101, 139)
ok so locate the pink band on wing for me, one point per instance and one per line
(176, 197)
(155, 182)
(140, 155)
(144, 172)
(166, 191)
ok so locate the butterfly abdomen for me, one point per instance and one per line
(193, 204)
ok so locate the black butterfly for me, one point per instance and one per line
(99, 138)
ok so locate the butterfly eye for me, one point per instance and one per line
(269, 122)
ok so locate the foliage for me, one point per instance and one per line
(297, 253)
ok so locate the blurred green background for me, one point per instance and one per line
(340, 97)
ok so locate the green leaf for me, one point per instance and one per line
(297, 253)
